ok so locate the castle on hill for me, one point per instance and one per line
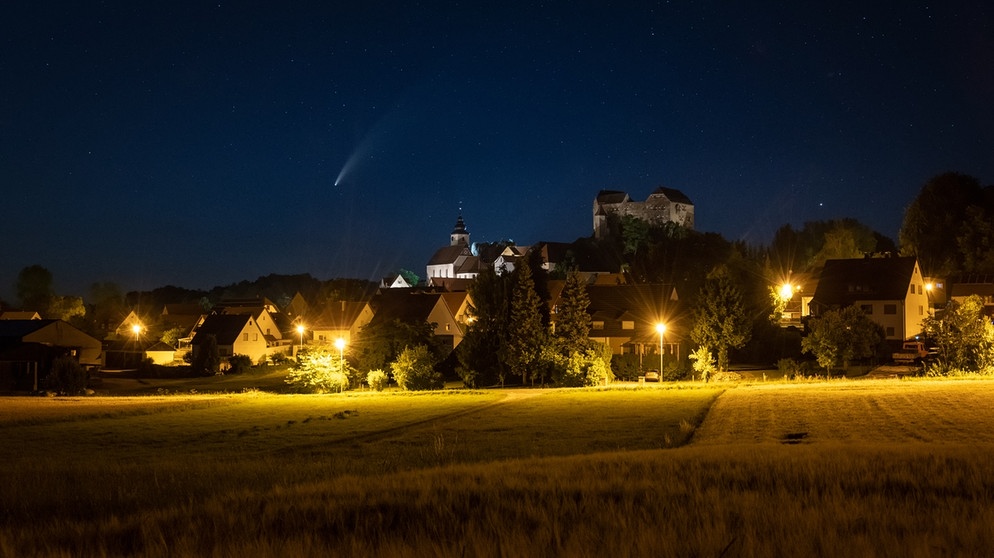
(664, 205)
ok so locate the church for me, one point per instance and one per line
(455, 261)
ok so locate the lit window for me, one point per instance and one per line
(625, 324)
(597, 324)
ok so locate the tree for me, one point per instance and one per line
(634, 234)
(572, 320)
(377, 379)
(319, 370)
(720, 321)
(208, 359)
(525, 332)
(841, 336)
(409, 276)
(34, 288)
(414, 369)
(67, 376)
(961, 336)
(66, 308)
(934, 222)
(481, 348)
(379, 343)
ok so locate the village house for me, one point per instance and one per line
(890, 290)
(340, 320)
(413, 306)
(28, 348)
(236, 334)
(625, 317)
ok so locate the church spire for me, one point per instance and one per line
(459, 236)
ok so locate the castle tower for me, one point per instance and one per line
(459, 236)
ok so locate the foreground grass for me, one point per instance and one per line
(443, 475)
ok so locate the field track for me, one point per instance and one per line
(863, 412)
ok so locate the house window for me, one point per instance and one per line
(921, 310)
(890, 309)
(245, 336)
(866, 308)
(626, 324)
(912, 289)
(919, 289)
(255, 336)
(597, 324)
(890, 332)
(268, 331)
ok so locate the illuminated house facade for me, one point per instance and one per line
(236, 334)
(890, 290)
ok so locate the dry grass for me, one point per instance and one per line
(884, 468)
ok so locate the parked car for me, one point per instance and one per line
(652, 375)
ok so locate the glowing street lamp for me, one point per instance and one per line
(340, 345)
(300, 330)
(137, 330)
(661, 328)
(786, 292)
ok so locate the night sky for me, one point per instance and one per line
(200, 144)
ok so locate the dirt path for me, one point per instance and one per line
(879, 412)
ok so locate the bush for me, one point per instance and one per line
(319, 371)
(789, 368)
(704, 365)
(67, 376)
(414, 369)
(377, 379)
(239, 363)
(626, 367)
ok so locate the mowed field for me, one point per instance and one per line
(855, 468)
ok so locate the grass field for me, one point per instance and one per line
(887, 468)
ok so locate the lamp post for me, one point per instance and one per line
(661, 328)
(300, 330)
(340, 344)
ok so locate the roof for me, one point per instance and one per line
(50, 332)
(844, 282)
(448, 255)
(20, 315)
(339, 315)
(225, 327)
(612, 196)
(451, 284)
(675, 196)
(403, 305)
(182, 310)
(18, 329)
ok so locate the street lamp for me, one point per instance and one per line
(137, 329)
(300, 330)
(661, 328)
(340, 345)
(786, 292)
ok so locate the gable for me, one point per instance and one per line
(844, 282)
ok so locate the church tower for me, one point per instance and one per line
(459, 236)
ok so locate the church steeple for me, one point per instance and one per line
(459, 236)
